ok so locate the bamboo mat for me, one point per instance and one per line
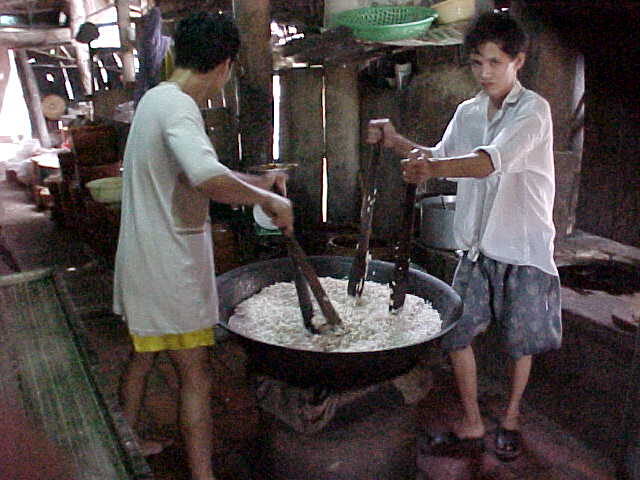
(46, 368)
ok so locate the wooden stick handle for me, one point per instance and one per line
(358, 272)
(302, 289)
(401, 270)
(296, 252)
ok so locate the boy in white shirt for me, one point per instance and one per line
(499, 149)
(164, 272)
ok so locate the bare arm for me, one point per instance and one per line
(232, 189)
(418, 168)
(266, 181)
(382, 129)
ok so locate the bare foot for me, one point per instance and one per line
(510, 424)
(463, 430)
(212, 477)
(153, 447)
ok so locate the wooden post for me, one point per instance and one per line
(5, 72)
(77, 16)
(342, 143)
(126, 42)
(254, 81)
(302, 141)
(32, 98)
(483, 6)
(35, 37)
(551, 70)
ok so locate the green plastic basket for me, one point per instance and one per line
(387, 23)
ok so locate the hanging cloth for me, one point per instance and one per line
(153, 48)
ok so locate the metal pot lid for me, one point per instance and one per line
(273, 167)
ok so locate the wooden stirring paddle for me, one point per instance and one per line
(358, 272)
(302, 289)
(403, 251)
(303, 273)
(299, 259)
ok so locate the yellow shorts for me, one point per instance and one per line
(174, 341)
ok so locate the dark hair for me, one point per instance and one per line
(203, 40)
(499, 28)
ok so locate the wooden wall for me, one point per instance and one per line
(351, 99)
(606, 173)
(320, 117)
(421, 111)
(604, 33)
(610, 188)
(554, 69)
(302, 141)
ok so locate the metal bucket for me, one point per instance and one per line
(436, 222)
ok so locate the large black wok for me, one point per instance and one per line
(332, 369)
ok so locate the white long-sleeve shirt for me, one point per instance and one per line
(164, 270)
(508, 215)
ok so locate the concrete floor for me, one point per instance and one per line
(553, 448)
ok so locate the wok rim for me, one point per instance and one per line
(251, 266)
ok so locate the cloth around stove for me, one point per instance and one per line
(310, 410)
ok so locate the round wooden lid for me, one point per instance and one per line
(53, 106)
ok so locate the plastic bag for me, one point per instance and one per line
(28, 148)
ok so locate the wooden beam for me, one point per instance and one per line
(343, 143)
(100, 10)
(52, 65)
(255, 84)
(126, 42)
(302, 142)
(5, 72)
(32, 97)
(77, 16)
(34, 37)
(53, 55)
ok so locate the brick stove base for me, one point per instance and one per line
(360, 434)
(380, 446)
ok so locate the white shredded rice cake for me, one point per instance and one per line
(273, 316)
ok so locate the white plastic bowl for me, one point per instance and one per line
(451, 11)
(262, 219)
(106, 190)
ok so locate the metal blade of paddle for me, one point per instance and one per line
(403, 251)
(358, 272)
(296, 252)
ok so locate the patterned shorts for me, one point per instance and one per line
(523, 301)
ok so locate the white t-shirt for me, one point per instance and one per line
(164, 272)
(508, 216)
